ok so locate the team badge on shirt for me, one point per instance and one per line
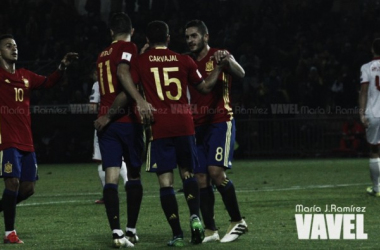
(26, 82)
(209, 66)
(8, 167)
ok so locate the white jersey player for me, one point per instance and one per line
(95, 99)
(369, 104)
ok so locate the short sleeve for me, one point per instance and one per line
(195, 76)
(364, 76)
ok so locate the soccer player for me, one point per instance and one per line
(165, 77)
(122, 137)
(96, 156)
(17, 157)
(369, 104)
(215, 132)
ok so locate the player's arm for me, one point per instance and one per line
(144, 108)
(56, 76)
(232, 65)
(363, 96)
(116, 108)
(208, 84)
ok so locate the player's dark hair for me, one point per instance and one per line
(157, 32)
(120, 23)
(5, 36)
(200, 25)
(376, 46)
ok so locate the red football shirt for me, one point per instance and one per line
(109, 85)
(15, 124)
(165, 76)
(215, 106)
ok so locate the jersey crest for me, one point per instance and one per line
(209, 66)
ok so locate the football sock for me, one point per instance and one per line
(207, 199)
(134, 191)
(111, 202)
(170, 207)
(123, 172)
(191, 192)
(20, 198)
(102, 175)
(9, 209)
(374, 169)
(227, 190)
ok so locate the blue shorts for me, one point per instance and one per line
(18, 164)
(215, 145)
(120, 140)
(164, 154)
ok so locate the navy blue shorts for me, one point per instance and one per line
(166, 153)
(215, 145)
(18, 164)
(120, 140)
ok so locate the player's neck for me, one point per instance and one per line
(203, 53)
(122, 37)
(9, 67)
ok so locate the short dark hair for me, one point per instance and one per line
(5, 36)
(376, 46)
(120, 23)
(157, 32)
(198, 24)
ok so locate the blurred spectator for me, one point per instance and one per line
(352, 136)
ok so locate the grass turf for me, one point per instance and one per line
(62, 213)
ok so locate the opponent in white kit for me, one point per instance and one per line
(369, 104)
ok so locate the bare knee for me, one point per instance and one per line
(27, 188)
(217, 174)
(203, 180)
(12, 184)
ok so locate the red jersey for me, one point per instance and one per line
(215, 106)
(15, 124)
(109, 84)
(165, 76)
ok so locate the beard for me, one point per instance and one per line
(199, 47)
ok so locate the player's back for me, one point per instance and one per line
(165, 76)
(107, 64)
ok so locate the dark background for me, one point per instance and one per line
(305, 54)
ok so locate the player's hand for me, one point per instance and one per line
(101, 122)
(221, 56)
(364, 121)
(145, 110)
(67, 60)
(145, 48)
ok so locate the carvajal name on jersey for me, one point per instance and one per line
(170, 58)
(337, 223)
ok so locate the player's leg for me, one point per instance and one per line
(134, 146)
(17, 167)
(373, 138)
(161, 160)
(186, 154)
(207, 197)
(111, 151)
(96, 156)
(124, 172)
(221, 144)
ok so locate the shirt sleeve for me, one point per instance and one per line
(127, 52)
(195, 76)
(364, 76)
(38, 81)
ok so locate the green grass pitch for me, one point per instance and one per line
(62, 213)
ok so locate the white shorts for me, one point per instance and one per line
(373, 130)
(96, 154)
